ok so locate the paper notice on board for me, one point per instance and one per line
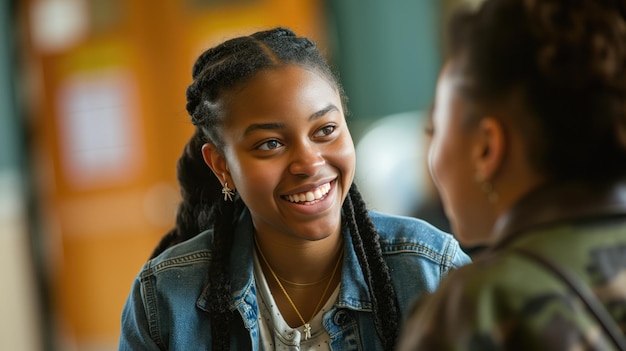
(99, 130)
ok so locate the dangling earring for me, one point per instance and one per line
(487, 187)
(492, 195)
(228, 192)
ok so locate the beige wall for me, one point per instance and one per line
(19, 324)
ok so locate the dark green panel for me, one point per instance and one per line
(387, 53)
(9, 152)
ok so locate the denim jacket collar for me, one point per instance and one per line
(551, 204)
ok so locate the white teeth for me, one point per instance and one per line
(309, 196)
(318, 193)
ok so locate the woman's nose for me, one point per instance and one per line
(306, 160)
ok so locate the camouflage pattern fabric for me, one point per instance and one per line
(505, 301)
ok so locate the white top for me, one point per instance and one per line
(275, 333)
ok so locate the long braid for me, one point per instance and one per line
(199, 188)
(197, 212)
(224, 217)
(367, 246)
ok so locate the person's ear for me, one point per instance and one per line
(490, 148)
(216, 161)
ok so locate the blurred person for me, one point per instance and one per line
(288, 257)
(529, 156)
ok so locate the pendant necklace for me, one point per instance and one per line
(306, 325)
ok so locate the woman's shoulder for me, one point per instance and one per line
(410, 234)
(393, 223)
(474, 302)
(500, 283)
(192, 252)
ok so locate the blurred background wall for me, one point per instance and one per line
(92, 121)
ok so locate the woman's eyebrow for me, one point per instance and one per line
(323, 112)
(263, 126)
(277, 125)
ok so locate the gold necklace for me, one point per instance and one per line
(307, 325)
(303, 284)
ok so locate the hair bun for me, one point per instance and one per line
(581, 43)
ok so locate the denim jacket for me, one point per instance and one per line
(167, 308)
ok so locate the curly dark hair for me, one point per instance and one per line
(215, 71)
(567, 58)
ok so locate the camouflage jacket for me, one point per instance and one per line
(505, 301)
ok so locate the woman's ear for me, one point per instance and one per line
(216, 161)
(490, 148)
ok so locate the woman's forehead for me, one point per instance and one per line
(279, 87)
(280, 95)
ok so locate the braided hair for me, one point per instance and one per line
(215, 71)
(567, 61)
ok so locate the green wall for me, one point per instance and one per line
(387, 53)
(9, 135)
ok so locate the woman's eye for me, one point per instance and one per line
(325, 131)
(269, 145)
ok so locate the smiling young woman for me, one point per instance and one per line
(273, 246)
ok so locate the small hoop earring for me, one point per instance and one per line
(228, 192)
